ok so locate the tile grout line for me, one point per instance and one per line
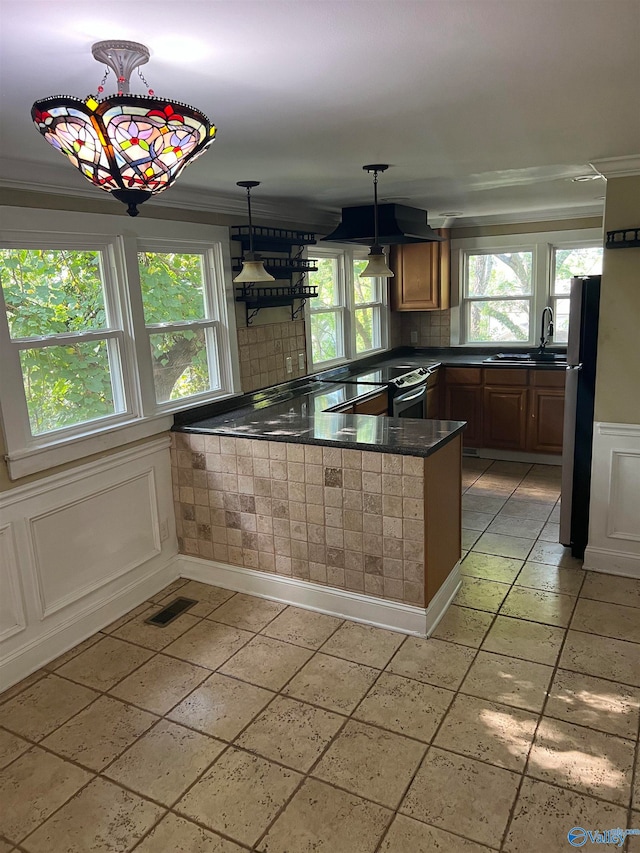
(161, 651)
(533, 739)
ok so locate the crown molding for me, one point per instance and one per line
(35, 177)
(618, 167)
(24, 176)
(556, 214)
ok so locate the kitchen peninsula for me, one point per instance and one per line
(360, 514)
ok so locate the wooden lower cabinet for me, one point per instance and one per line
(433, 402)
(464, 403)
(378, 405)
(507, 408)
(504, 417)
(546, 411)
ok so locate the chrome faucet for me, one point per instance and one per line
(544, 339)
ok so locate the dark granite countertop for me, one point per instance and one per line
(297, 411)
(404, 436)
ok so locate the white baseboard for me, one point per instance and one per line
(612, 562)
(80, 625)
(60, 638)
(357, 606)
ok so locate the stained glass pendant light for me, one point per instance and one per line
(252, 266)
(132, 146)
(377, 266)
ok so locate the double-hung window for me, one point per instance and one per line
(64, 337)
(106, 327)
(506, 282)
(328, 309)
(182, 312)
(498, 292)
(569, 262)
(349, 318)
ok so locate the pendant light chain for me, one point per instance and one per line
(250, 221)
(144, 80)
(377, 265)
(107, 71)
(375, 207)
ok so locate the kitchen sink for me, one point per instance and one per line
(528, 358)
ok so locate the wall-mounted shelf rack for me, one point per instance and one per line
(624, 238)
(257, 296)
(271, 239)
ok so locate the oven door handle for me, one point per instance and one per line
(407, 398)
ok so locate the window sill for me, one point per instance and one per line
(33, 461)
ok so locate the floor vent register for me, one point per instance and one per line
(170, 612)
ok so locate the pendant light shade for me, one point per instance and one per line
(132, 146)
(252, 265)
(377, 266)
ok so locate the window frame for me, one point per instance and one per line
(345, 257)
(120, 240)
(543, 246)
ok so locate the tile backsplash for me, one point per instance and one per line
(433, 328)
(263, 351)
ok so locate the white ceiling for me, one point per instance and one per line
(488, 107)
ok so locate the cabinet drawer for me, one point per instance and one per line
(506, 376)
(463, 375)
(547, 378)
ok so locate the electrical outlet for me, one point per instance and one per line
(164, 530)
(288, 364)
(301, 362)
(414, 336)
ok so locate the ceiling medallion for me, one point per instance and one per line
(132, 146)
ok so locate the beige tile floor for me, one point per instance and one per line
(249, 725)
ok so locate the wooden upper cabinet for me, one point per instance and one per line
(422, 280)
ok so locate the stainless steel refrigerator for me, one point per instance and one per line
(582, 350)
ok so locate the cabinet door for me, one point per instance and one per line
(505, 418)
(433, 402)
(546, 416)
(422, 276)
(464, 403)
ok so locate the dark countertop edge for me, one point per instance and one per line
(424, 452)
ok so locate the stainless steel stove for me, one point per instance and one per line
(407, 386)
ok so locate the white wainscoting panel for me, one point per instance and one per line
(12, 615)
(614, 517)
(83, 548)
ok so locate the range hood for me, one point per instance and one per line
(397, 224)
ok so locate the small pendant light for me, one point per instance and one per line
(252, 265)
(377, 266)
